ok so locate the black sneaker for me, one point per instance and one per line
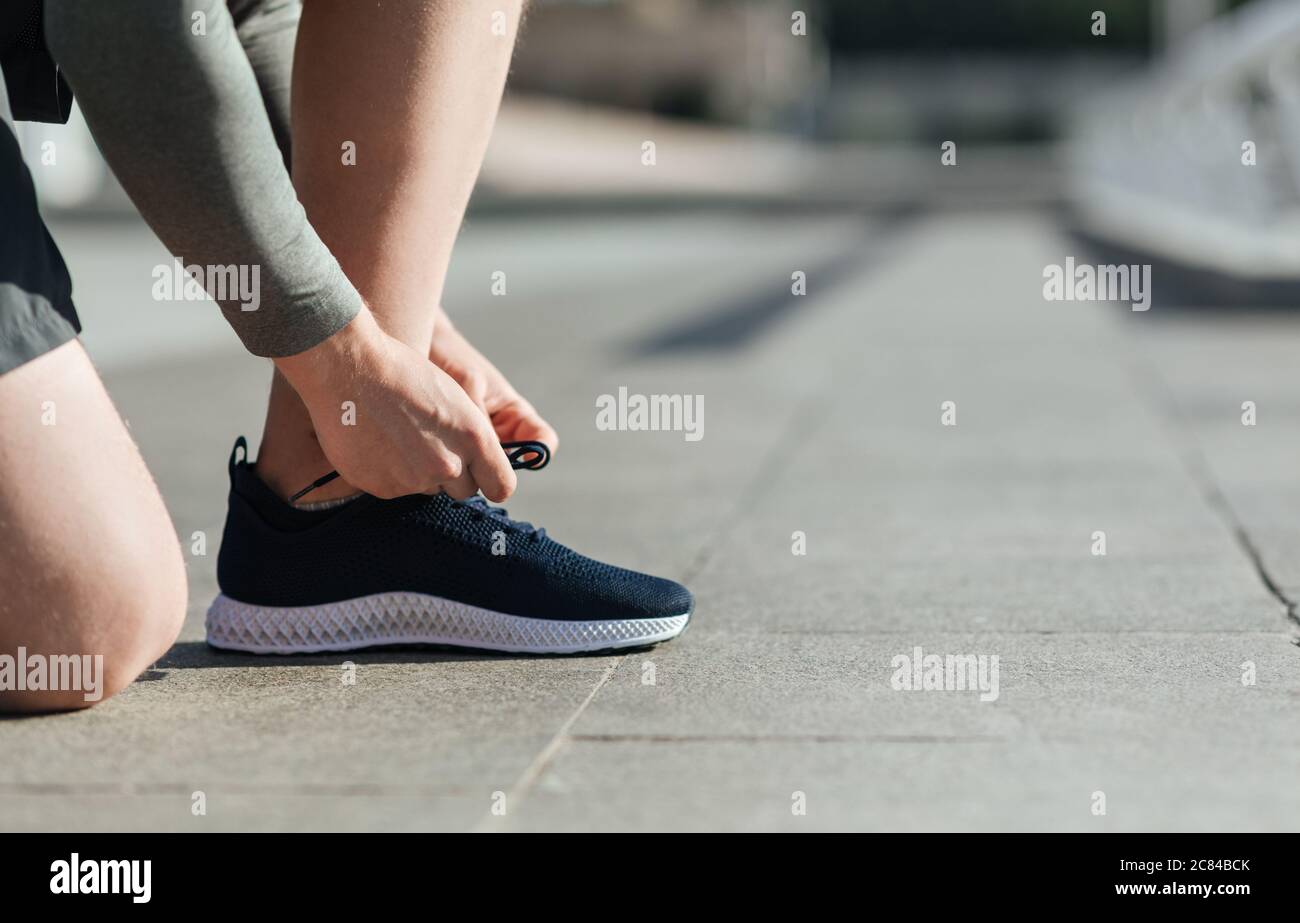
(419, 570)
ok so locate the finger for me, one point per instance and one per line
(440, 468)
(462, 488)
(491, 470)
(536, 429)
(520, 423)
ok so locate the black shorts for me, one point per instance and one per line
(36, 311)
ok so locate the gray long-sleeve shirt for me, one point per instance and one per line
(173, 102)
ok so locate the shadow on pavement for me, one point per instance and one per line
(739, 320)
(191, 655)
(1183, 289)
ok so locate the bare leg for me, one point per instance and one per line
(90, 562)
(422, 88)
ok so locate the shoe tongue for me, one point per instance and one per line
(479, 503)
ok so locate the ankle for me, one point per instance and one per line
(288, 469)
(290, 456)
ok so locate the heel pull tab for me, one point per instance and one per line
(241, 445)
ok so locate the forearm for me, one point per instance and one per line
(424, 83)
(180, 120)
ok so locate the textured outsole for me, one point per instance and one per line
(414, 618)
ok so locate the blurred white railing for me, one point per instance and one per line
(1165, 164)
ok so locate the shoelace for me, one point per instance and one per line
(526, 455)
(482, 509)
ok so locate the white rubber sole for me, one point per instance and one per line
(414, 618)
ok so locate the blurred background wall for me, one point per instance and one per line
(1131, 130)
(883, 72)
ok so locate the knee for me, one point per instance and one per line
(99, 639)
(151, 607)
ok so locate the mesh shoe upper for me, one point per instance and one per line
(274, 555)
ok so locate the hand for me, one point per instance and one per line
(412, 429)
(513, 418)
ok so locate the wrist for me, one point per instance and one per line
(312, 367)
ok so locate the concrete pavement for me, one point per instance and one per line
(1119, 674)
